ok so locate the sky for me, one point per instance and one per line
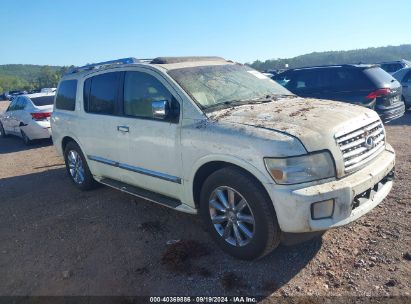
(66, 32)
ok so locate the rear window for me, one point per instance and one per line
(100, 93)
(43, 100)
(66, 95)
(379, 77)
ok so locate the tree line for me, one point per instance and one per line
(369, 55)
(30, 77)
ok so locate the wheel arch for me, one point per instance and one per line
(208, 167)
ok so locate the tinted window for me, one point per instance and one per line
(347, 79)
(103, 93)
(140, 90)
(407, 77)
(21, 103)
(306, 79)
(66, 95)
(391, 67)
(43, 100)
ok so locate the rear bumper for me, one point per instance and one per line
(390, 113)
(37, 131)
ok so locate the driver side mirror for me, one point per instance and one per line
(160, 109)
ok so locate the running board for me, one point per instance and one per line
(142, 193)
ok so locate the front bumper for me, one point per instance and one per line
(353, 196)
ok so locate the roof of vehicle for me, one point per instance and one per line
(166, 63)
(35, 95)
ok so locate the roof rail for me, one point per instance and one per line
(106, 63)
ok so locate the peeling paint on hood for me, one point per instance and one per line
(313, 121)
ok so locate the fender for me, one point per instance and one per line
(247, 166)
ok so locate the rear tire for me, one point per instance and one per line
(248, 234)
(27, 141)
(77, 168)
(2, 132)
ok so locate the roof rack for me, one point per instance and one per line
(100, 65)
(166, 60)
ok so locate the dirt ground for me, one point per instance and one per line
(57, 240)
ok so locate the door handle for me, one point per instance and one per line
(122, 128)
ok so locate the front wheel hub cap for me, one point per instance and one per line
(76, 167)
(231, 216)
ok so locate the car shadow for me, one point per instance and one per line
(105, 242)
(405, 120)
(11, 144)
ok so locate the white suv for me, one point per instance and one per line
(210, 136)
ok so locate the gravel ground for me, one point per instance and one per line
(57, 240)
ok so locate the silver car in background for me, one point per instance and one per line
(394, 66)
(28, 117)
(404, 77)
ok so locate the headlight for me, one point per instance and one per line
(301, 169)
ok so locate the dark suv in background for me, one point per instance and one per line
(365, 85)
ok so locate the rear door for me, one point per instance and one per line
(104, 145)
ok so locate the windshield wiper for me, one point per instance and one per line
(238, 102)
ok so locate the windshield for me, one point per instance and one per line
(216, 85)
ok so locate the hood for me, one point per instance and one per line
(313, 121)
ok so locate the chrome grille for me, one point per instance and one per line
(361, 145)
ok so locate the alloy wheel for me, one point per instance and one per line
(76, 167)
(231, 216)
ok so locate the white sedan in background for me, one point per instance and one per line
(28, 116)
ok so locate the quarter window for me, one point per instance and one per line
(140, 90)
(102, 95)
(66, 95)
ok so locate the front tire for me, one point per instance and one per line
(77, 168)
(239, 214)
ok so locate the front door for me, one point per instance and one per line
(154, 159)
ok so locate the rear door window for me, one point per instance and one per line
(12, 106)
(21, 103)
(306, 80)
(43, 100)
(102, 95)
(66, 95)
